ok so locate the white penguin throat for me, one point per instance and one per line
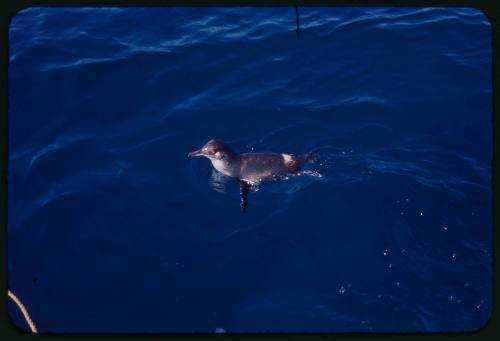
(221, 166)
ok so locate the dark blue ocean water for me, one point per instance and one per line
(111, 227)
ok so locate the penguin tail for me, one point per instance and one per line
(311, 158)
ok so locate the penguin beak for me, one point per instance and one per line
(196, 153)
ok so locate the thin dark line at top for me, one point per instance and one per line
(297, 15)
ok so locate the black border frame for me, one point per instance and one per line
(8, 9)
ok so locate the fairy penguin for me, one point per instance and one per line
(250, 168)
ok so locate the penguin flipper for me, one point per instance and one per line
(244, 189)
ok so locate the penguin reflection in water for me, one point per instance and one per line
(252, 168)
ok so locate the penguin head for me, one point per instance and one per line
(214, 149)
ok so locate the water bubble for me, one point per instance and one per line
(467, 284)
(453, 255)
(451, 298)
(421, 213)
(477, 306)
(385, 252)
(390, 266)
(367, 324)
(404, 251)
(445, 228)
(397, 284)
(342, 290)
(402, 213)
(343, 153)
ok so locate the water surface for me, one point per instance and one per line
(111, 227)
